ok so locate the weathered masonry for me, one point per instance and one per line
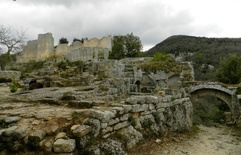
(43, 48)
(228, 95)
(102, 129)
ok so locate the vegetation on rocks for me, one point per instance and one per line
(63, 41)
(160, 62)
(14, 86)
(202, 51)
(230, 70)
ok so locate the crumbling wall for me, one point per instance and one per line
(105, 42)
(102, 129)
(88, 54)
(62, 50)
(45, 48)
(76, 45)
(30, 52)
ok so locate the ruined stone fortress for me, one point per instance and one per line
(43, 48)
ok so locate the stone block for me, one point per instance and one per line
(107, 130)
(136, 100)
(127, 108)
(104, 125)
(113, 121)
(9, 131)
(64, 146)
(47, 145)
(139, 107)
(124, 117)
(37, 135)
(121, 125)
(80, 130)
(152, 100)
(103, 116)
(119, 110)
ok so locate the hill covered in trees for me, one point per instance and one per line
(202, 51)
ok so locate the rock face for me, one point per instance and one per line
(10, 75)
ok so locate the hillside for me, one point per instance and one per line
(201, 51)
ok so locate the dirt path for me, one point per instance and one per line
(221, 140)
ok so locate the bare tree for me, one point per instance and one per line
(11, 42)
(11, 39)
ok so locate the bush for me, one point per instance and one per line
(14, 86)
(161, 62)
(63, 41)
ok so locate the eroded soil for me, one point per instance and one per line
(221, 140)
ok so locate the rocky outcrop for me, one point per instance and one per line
(10, 75)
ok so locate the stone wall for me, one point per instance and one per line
(62, 50)
(43, 48)
(37, 50)
(102, 129)
(105, 42)
(10, 74)
(30, 51)
(88, 54)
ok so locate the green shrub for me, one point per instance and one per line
(161, 62)
(63, 41)
(156, 117)
(132, 120)
(238, 91)
(14, 86)
(161, 57)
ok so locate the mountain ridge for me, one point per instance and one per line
(201, 51)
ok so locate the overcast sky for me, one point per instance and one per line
(151, 20)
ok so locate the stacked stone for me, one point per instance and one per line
(138, 115)
(104, 129)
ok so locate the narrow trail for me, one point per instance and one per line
(220, 140)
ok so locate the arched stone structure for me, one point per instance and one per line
(214, 89)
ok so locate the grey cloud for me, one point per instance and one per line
(151, 20)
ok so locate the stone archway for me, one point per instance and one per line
(225, 94)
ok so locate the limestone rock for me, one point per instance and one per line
(80, 130)
(96, 126)
(112, 147)
(133, 136)
(103, 116)
(35, 138)
(64, 146)
(37, 135)
(47, 144)
(121, 125)
(52, 129)
(139, 108)
(61, 135)
(10, 120)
